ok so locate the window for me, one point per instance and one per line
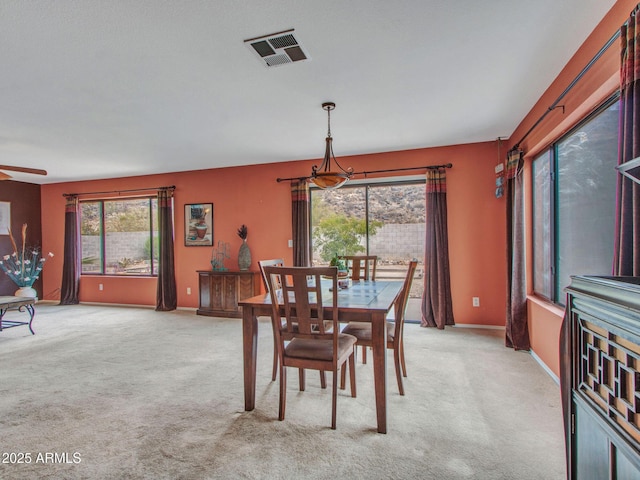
(387, 220)
(542, 229)
(383, 219)
(574, 204)
(119, 237)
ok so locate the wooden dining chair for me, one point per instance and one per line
(276, 262)
(304, 341)
(395, 328)
(279, 262)
(361, 267)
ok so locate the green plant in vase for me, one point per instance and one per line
(340, 263)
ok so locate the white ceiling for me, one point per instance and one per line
(108, 88)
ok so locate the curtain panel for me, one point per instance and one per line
(71, 265)
(166, 296)
(300, 223)
(516, 326)
(437, 307)
(627, 249)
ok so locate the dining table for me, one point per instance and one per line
(362, 301)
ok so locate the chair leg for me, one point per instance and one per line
(275, 360)
(323, 380)
(283, 392)
(301, 379)
(396, 360)
(343, 377)
(334, 399)
(402, 362)
(364, 354)
(352, 373)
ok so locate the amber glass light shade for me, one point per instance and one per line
(329, 180)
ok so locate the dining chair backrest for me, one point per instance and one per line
(400, 303)
(361, 267)
(275, 262)
(301, 294)
(309, 336)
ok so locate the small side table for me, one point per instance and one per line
(22, 304)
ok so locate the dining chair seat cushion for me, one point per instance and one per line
(362, 331)
(319, 349)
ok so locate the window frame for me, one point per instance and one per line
(551, 151)
(366, 184)
(103, 264)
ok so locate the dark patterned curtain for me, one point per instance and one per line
(300, 223)
(516, 327)
(627, 248)
(71, 262)
(437, 307)
(166, 297)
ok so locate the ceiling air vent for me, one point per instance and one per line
(277, 48)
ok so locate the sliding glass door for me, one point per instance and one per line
(384, 219)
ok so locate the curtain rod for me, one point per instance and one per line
(171, 187)
(429, 167)
(555, 105)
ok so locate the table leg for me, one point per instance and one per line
(32, 312)
(250, 350)
(16, 323)
(379, 346)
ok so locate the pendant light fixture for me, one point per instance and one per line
(323, 176)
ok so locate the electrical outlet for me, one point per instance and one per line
(100, 287)
(188, 290)
(290, 243)
(476, 301)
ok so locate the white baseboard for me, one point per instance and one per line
(473, 325)
(132, 305)
(545, 367)
(464, 325)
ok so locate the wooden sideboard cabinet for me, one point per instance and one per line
(600, 377)
(220, 292)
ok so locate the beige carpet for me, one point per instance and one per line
(118, 393)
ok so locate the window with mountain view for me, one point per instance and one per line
(383, 219)
(119, 237)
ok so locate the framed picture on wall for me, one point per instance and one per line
(5, 217)
(198, 224)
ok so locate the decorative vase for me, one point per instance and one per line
(244, 256)
(26, 292)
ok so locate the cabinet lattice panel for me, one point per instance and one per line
(608, 375)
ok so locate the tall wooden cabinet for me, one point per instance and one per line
(600, 378)
(220, 292)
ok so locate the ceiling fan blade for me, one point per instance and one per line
(36, 171)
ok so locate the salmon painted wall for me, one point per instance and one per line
(250, 195)
(598, 84)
